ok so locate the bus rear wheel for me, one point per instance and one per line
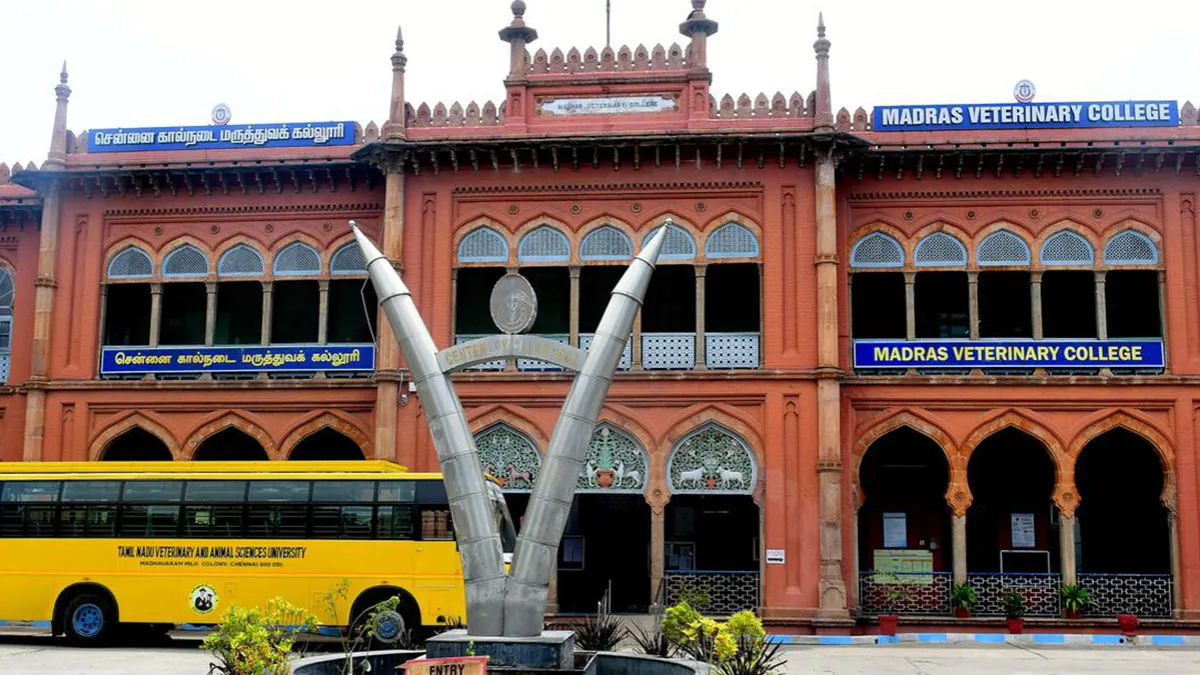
(88, 620)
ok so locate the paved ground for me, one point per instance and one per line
(30, 655)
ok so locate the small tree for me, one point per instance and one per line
(253, 641)
(360, 630)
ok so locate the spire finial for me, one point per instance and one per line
(698, 5)
(518, 10)
(62, 77)
(399, 60)
(820, 24)
(517, 33)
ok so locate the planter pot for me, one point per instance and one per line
(604, 478)
(1016, 626)
(888, 623)
(962, 613)
(1128, 623)
(1071, 613)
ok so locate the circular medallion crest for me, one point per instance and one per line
(513, 304)
(203, 599)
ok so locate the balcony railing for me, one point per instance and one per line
(1147, 595)
(532, 365)
(714, 593)
(905, 592)
(626, 362)
(5, 355)
(668, 351)
(731, 350)
(660, 351)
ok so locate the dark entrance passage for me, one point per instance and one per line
(904, 476)
(1122, 523)
(136, 445)
(1012, 523)
(712, 558)
(326, 445)
(606, 546)
(229, 445)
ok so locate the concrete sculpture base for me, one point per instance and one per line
(553, 649)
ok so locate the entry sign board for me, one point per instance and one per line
(222, 137)
(461, 665)
(955, 116)
(279, 358)
(1081, 353)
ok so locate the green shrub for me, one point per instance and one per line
(253, 641)
(746, 624)
(677, 620)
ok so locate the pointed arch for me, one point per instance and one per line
(229, 267)
(940, 244)
(615, 462)
(605, 239)
(1003, 244)
(125, 422)
(712, 459)
(344, 258)
(1069, 249)
(187, 259)
(296, 258)
(737, 236)
(879, 245)
(958, 493)
(483, 241)
(680, 246)
(1065, 495)
(1130, 242)
(223, 420)
(725, 416)
(544, 243)
(509, 456)
(326, 419)
(513, 416)
(1148, 431)
(129, 259)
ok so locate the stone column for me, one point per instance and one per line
(973, 304)
(323, 312)
(155, 311)
(1101, 307)
(1176, 566)
(1066, 547)
(1162, 316)
(574, 270)
(552, 589)
(1035, 303)
(658, 550)
(268, 289)
(958, 548)
(387, 377)
(701, 361)
(210, 312)
(910, 305)
(637, 342)
(831, 585)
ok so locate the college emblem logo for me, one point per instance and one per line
(203, 599)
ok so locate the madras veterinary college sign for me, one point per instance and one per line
(949, 117)
(1008, 354)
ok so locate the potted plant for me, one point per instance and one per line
(894, 593)
(1075, 598)
(1128, 623)
(1014, 611)
(962, 598)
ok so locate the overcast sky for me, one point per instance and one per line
(137, 63)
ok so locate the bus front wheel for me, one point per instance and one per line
(88, 619)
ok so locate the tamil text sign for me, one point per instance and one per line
(229, 136)
(281, 358)
(1008, 353)
(948, 117)
(608, 105)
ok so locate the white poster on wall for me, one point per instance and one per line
(1024, 534)
(895, 530)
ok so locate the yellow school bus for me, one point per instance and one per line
(88, 546)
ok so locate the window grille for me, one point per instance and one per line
(131, 263)
(6, 292)
(1067, 248)
(1002, 248)
(939, 250)
(186, 261)
(348, 260)
(731, 240)
(678, 246)
(297, 259)
(877, 250)
(544, 244)
(711, 459)
(1130, 248)
(605, 243)
(240, 261)
(483, 245)
(509, 456)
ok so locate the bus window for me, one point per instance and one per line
(281, 511)
(397, 491)
(395, 521)
(435, 523)
(431, 492)
(213, 508)
(150, 508)
(89, 508)
(28, 508)
(340, 520)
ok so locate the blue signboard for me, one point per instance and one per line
(230, 136)
(276, 358)
(949, 117)
(1081, 353)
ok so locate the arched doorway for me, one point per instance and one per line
(229, 445)
(136, 445)
(712, 524)
(1012, 524)
(904, 525)
(326, 444)
(1122, 537)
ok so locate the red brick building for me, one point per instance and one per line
(743, 449)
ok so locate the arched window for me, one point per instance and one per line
(348, 260)
(1002, 248)
(606, 243)
(939, 249)
(240, 261)
(731, 240)
(6, 303)
(614, 462)
(131, 263)
(297, 259)
(509, 456)
(483, 245)
(711, 459)
(185, 261)
(678, 246)
(1067, 248)
(544, 244)
(1130, 248)
(877, 250)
